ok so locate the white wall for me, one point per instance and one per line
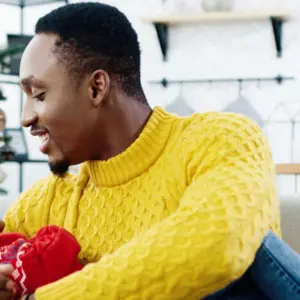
(237, 49)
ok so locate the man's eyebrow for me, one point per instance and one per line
(31, 81)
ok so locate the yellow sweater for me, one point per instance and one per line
(178, 215)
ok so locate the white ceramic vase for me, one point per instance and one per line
(217, 5)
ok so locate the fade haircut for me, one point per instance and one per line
(96, 36)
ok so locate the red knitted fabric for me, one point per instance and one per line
(8, 238)
(51, 255)
(9, 246)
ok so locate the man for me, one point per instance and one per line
(164, 207)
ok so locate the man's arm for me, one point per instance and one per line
(17, 220)
(207, 243)
(28, 214)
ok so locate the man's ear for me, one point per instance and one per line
(99, 85)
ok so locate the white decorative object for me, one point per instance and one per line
(217, 5)
(3, 176)
(181, 6)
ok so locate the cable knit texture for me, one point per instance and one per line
(178, 215)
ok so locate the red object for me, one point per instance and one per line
(8, 238)
(51, 255)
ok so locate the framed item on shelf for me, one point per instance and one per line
(17, 143)
(21, 41)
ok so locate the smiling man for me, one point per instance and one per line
(164, 207)
(71, 126)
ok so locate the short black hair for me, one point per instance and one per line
(93, 36)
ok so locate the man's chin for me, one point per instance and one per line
(59, 168)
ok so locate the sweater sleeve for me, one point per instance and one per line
(228, 207)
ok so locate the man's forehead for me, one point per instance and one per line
(38, 60)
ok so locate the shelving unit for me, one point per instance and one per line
(288, 169)
(162, 23)
(12, 79)
(165, 82)
(292, 170)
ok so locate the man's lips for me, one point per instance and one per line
(38, 132)
(44, 138)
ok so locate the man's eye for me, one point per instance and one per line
(40, 97)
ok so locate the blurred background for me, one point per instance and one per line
(197, 56)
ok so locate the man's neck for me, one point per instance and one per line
(123, 127)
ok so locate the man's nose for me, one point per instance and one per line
(29, 117)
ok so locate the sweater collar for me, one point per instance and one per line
(138, 157)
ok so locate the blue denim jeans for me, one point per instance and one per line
(274, 275)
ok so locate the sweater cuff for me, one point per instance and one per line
(65, 288)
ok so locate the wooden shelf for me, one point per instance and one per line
(288, 169)
(217, 16)
(163, 22)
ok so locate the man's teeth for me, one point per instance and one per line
(43, 137)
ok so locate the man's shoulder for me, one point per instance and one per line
(210, 138)
(219, 121)
(208, 135)
(211, 125)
